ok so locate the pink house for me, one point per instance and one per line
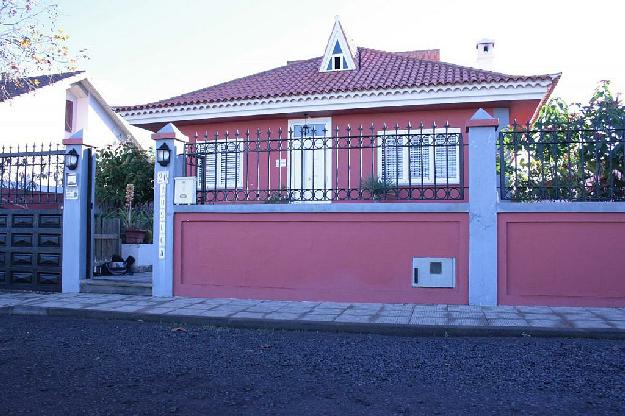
(316, 129)
(346, 177)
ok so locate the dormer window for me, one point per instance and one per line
(338, 56)
(337, 62)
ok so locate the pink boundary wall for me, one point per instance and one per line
(355, 257)
(561, 259)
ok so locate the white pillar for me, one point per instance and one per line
(75, 213)
(163, 268)
(482, 129)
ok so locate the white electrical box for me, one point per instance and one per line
(433, 272)
(184, 190)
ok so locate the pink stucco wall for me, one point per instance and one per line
(457, 115)
(317, 256)
(272, 177)
(564, 259)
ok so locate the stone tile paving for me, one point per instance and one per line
(361, 313)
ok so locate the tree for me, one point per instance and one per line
(571, 151)
(604, 110)
(118, 166)
(31, 44)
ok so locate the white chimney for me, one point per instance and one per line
(485, 54)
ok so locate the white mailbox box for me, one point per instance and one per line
(184, 190)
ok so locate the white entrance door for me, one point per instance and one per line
(310, 160)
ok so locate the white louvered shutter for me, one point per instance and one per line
(229, 165)
(420, 159)
(210, 163)
(393, 158)
(446, 157)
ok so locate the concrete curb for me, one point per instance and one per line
(324, 326)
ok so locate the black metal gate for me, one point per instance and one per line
(31, 218)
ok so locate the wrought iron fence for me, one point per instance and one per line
(31, 176)
(562, 163)
(311, 163)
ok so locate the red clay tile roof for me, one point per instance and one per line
(377, 70)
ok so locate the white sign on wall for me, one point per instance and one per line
(71, 186)
(71, 193)
(162, 179)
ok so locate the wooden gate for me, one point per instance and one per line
(106, 238)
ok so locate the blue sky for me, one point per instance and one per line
(142, 51)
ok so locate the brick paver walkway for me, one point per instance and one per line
(362, 314)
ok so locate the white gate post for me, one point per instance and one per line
(75, 211)
(163, 269)
(483, 196)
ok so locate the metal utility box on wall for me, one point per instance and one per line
(184, 190)
(433, 272)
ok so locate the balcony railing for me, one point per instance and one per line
(310, 164)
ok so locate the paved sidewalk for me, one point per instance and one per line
(354, 317)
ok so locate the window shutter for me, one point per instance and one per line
(420, 159)
(446, 157)
(199, 169)
(207, 165)
(229, 164)
(221, 164)
(393, 155)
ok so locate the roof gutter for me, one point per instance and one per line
(418, 96)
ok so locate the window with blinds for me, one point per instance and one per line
(425, 158)
(221, 165)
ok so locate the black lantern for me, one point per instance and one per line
(71, 159)
(305, 127)
(163, 154)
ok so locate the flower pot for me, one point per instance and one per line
(134, 236)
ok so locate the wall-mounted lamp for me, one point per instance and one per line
(305, 127)
(71, 159)
(163, 155)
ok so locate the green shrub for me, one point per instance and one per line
(120, 165)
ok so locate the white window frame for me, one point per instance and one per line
(405, 155)
(210, 181)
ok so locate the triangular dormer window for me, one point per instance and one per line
(339, 54)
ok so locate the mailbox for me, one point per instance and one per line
(184, 190)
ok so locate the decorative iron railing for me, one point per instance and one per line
(562, 164)
(31, 176)
(311, 164)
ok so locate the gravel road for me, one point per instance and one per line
(67, 366)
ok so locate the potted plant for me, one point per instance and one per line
(378, 188)
(278, 197)
(133, 223)
(145, 212)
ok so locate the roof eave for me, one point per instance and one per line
(115, 118)
(555, 79)
(449, 94)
